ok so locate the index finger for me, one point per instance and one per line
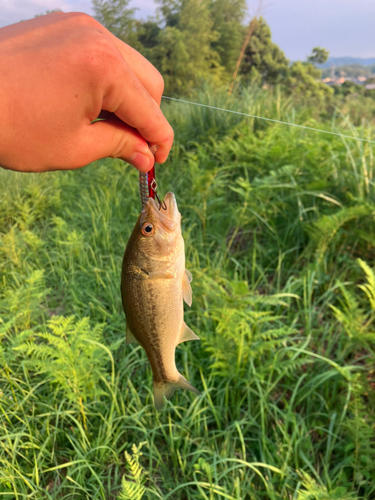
(125, 95)
(146, 73)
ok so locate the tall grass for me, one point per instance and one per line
(279, 231)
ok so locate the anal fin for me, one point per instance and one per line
(129, 335)
(187, 334)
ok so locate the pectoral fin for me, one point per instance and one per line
(187, 292)
(129, 335)
(187, 334)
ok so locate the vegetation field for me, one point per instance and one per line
(280, 232)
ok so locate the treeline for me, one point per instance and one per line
(350, 70)
(195, 41)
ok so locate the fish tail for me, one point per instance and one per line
(167, 389)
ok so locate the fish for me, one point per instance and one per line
(154, 284)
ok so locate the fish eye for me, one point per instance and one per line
(147, 229)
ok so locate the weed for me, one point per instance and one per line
(279, 230)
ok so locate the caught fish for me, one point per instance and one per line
(154, 283)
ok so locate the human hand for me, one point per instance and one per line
(57, 74)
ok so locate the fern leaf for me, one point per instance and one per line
(133, 482)
(324, 230)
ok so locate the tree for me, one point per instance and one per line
(118, 18)
(263, 61)
(304, 79)
(48, 12)
(184, 53)
(318, 56)
(148, 34)
(170, 11)
(191, 41)
(173, 60)
(227, 17)
(349, 88)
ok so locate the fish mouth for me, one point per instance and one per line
(171, 211)
(167, 214)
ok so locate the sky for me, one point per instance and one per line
(344, 27)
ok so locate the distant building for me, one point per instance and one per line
(360, 80)
(370, 86)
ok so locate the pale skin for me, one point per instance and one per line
(60, 72)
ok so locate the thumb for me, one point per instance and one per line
(113, 138)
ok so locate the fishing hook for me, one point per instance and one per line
(154, 187)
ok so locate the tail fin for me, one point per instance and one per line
(167, 389)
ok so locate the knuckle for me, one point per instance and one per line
(97, 54)
(81, 18)
(91, 49)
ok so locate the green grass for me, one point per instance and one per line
(279, 225)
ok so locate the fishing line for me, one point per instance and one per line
(271, 120)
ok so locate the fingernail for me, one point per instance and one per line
(142, 162)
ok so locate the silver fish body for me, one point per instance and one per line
(154, 284)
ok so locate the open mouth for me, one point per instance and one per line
(167, 213)
(171, 211)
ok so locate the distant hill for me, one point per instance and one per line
(344, 61)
